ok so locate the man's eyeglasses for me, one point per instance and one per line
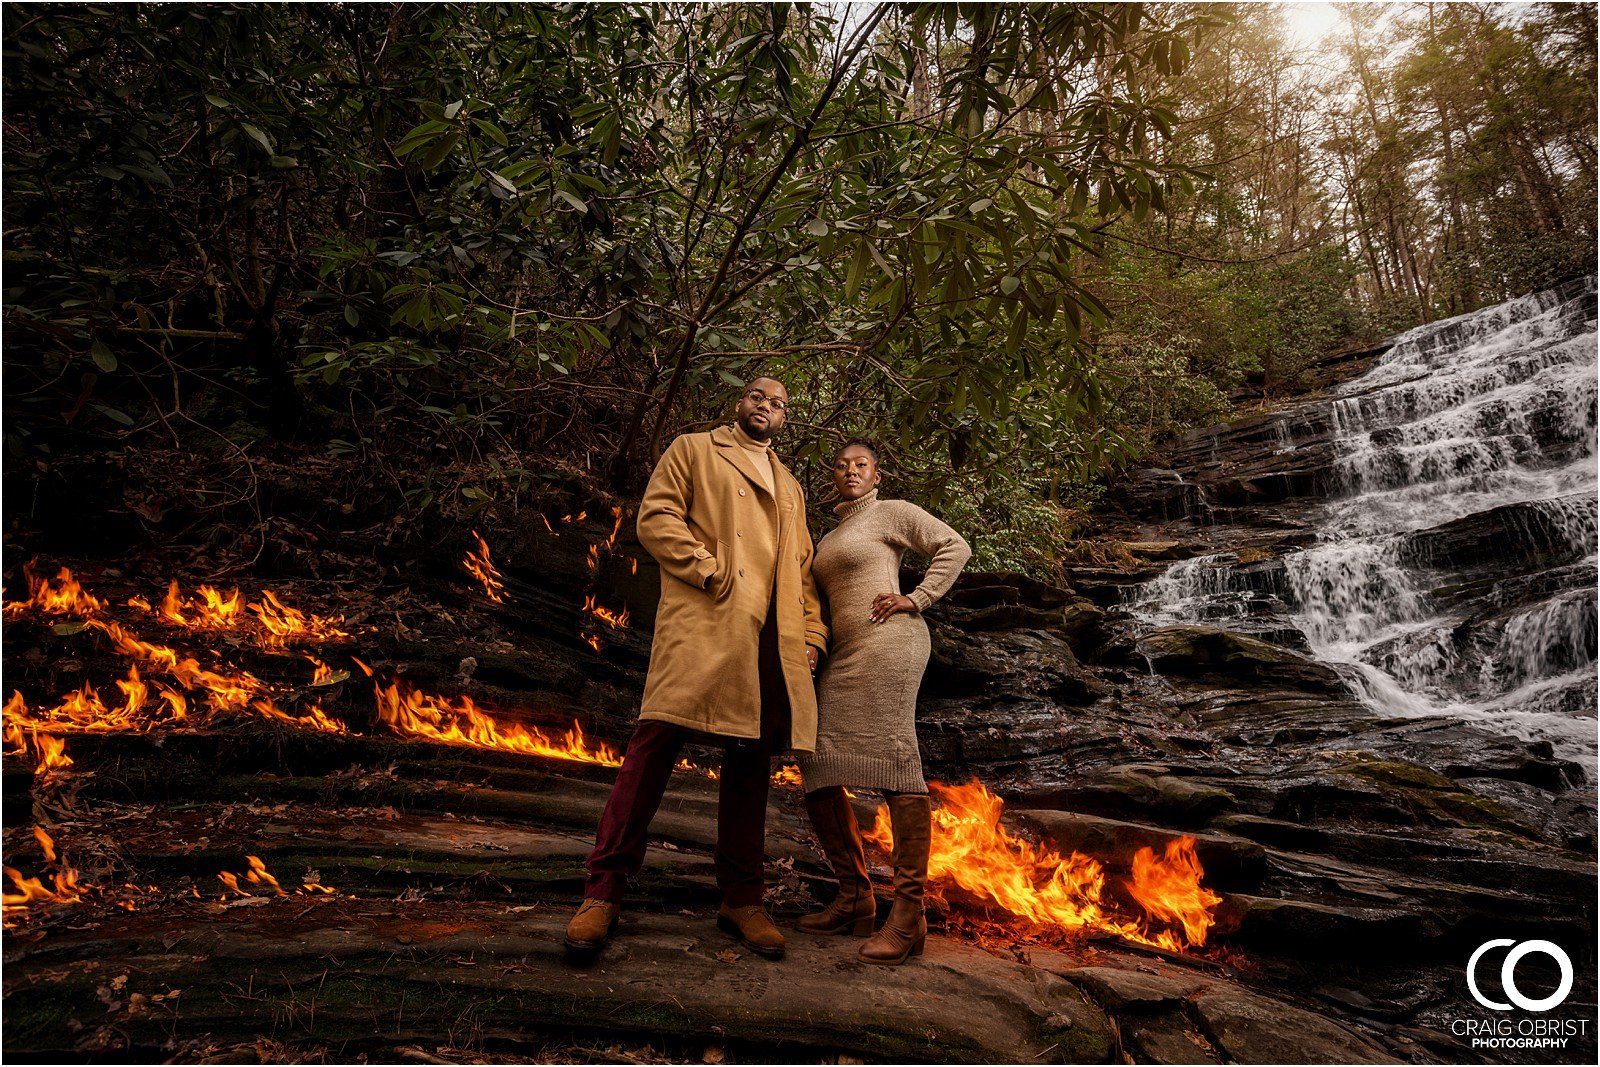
(757, 397)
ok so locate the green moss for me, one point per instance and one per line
(1402, 774)
(341, 1006)
(37, 1018)
(899, 1048)
(652, 1018)
(1471, 810)
(1428, 794)
(1075, 1044)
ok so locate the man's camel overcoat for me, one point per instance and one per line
(723, 541)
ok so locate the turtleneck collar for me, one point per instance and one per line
(746, 441)
(859, 504)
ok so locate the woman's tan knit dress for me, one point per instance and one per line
(867, 687)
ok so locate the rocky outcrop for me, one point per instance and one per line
(1206, 652)
(1513, 537)
(454, 873)
(1391, 828)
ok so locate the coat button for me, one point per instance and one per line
(741, 492)
(738, 533)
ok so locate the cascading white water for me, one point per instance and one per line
(1491, 410)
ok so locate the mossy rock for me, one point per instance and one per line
(1405, 775)
(1083, 622)
(1435, 798)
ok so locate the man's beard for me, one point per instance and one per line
(759, 433)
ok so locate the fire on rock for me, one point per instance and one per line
(1037, 887)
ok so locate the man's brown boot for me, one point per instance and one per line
(753, 929)
(591, 927)
(903, 934)
(854, 909)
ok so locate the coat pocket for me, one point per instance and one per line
(722, 578)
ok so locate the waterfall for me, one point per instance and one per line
(1454, 569)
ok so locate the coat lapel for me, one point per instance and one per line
(785, 496)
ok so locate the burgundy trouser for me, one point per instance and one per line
(741, 794)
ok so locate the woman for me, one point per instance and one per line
(867, 700)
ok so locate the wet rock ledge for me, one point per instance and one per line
(1359, 860)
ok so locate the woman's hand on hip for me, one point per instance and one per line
(887, 604)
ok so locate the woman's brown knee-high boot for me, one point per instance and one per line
(911, 815)
(854, 909)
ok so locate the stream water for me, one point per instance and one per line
(1485, 422)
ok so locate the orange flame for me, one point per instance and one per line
(412, 713)
(16, 740)
(602, 548)
(227, 693)
(172, 606)
(1168, 887)
(787, 775)
(481, 567)
(215, 610)
(686, 764)
(285, 623)
(1040, 885)
(259, 875)
(177, 706)
(52, 754)
(83, 710)
(31, 891)
(65, 597)
(314, 718)
(64, 887)
(147, 704)
(594, 642)
(318, 719)
(218, 610)
(46, 842)
(614, 619)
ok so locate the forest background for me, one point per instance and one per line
(449, 261)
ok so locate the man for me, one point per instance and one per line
(738, 635)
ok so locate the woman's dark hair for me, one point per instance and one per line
(861, 442)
